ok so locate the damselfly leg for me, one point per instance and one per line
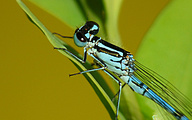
(92, 70)
(103, 67)
(117, 93)
(84, 58)
(113, 77)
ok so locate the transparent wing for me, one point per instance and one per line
(164, 89)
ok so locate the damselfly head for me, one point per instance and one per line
(85, 33)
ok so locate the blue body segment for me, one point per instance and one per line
(113, 59)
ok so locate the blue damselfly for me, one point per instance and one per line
(113, 59)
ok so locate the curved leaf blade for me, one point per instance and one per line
(167, 46)
(56, 42)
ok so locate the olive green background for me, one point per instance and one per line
(32, 87)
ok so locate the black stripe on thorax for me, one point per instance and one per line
(109, 52)
(107, 44)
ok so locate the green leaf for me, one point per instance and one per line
(60, 9)
(167, 49)
(96, 81)
(112, 15)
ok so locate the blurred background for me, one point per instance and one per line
(32, 86)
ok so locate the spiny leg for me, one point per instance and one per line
(84, 58)
(119, 93)
(102, 68)
(83, 61)
(116, 79)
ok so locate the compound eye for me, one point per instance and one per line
(80, 37)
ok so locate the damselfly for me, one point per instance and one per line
(113, 59)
